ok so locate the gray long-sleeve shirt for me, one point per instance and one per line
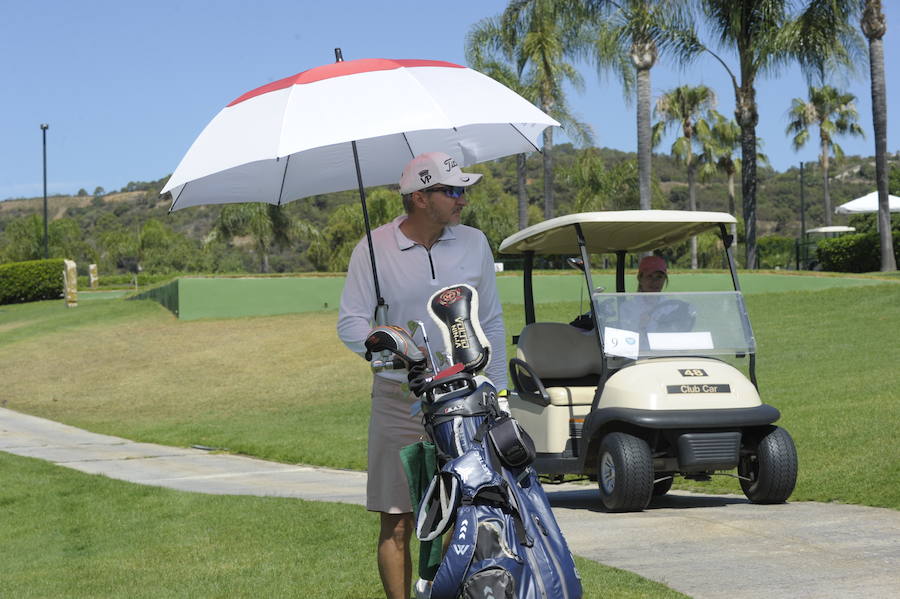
(408, 275)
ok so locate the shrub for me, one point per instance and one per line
(776, 251)
(853, 253)
(31, 281)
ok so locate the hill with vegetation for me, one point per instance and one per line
(131, 229)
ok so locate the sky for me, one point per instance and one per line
(125, 87)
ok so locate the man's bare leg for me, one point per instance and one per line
(394, 563)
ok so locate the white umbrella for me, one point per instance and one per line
(351, 124)
(866, 204)
(293, 138)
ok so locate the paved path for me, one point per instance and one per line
(706, 546)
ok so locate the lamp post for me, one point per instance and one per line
(44, 128)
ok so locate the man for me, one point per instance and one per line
(416, 254)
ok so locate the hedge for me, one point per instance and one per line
(854, 253)
(31, 281)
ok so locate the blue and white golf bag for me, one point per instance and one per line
(505, 542)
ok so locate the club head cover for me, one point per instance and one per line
(395, 340)
(455, 310)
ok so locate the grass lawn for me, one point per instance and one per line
(284, 388)
(69, 534)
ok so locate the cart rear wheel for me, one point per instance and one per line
(625, 473)
(769, 475)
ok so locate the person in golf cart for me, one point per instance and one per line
(417, 253)
(652, 314)
(647, 314)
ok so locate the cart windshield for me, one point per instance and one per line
(638, 325)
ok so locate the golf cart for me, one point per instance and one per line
(648, 386)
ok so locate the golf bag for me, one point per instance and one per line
(506, 543)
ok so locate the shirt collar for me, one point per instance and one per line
(404, 242)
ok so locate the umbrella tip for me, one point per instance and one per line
(338, 56)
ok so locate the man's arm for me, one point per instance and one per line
(490, 315)
(357, 309)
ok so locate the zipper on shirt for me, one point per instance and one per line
(431, 264)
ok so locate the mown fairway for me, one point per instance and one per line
(284, 388)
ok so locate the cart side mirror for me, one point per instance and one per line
(576, 263)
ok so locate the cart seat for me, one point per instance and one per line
(564, 358)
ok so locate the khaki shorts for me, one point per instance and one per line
(391, 427)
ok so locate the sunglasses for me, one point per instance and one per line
(453, 192)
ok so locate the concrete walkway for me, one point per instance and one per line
(706, 546)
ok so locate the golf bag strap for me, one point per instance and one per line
(454, 310)
(458, 558)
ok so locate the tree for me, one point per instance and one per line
(331, 248)
(834, 113)
(723, 140)
(501, 58)
(23, 239)
(99, 191)
(600, 186)
(546, 34)
(684, 106)
(162, 250)
(628, 38)
(873, 27)
(266, 224)
(767, 35)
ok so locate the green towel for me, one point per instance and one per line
(420, 464)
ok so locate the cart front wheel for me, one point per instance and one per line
(769, 474)
(625, 473)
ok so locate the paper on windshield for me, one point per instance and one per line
(680, 341)
(621, 342)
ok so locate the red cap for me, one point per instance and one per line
(652, 264)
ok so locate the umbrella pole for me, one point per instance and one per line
(380, 308)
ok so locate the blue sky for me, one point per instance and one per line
(127, 86)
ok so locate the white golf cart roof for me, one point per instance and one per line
(604, 232)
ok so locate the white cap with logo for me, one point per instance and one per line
(434, 168)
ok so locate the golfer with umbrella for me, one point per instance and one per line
(417, 253)
(355, 124)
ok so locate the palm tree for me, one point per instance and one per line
(833, 112)
(723, 140)
(629, 37)
(602, 186)
(545, 35)
(266, 224)
(767, 35)
(684, 106)
(874, 27)
(498, 56)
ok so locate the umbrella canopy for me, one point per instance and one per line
(866, 204)
(293, 138)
